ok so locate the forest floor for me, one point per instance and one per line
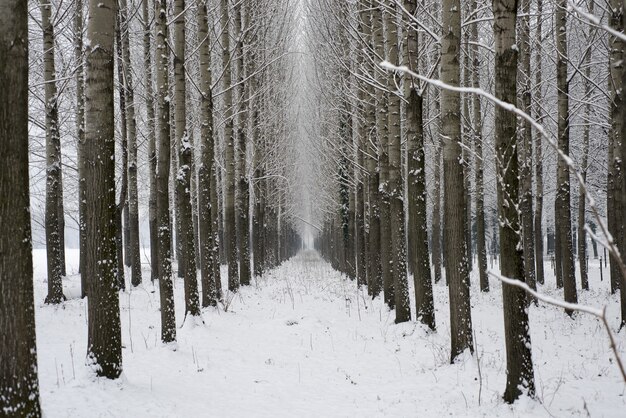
(303, 342)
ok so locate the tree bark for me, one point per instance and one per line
(19, 385)
(205, 171)
(54, 187)
(80, 140)
(168, 320)
(562, 204)
(525, 148)
(185, 157)
(539, 149)
(104, 347)
(243, 188)
(416, 188)
(456, 263)
(517, 338)
(230, 230)
(133, 253)
(152, 160)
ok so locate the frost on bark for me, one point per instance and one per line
(19, 385)
(517, 337)
(456, 263)
(104, 347)
(205, 170)
(185, 157)
(168, 320)
(563, 212)
(54, 187)
(416, 184)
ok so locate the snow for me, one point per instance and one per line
(303, 342)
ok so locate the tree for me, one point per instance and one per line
(416, 189)
(243, 188)
(185, 156)
(525, 147)
(19, 385)
(152, 161)
(230, 229)
(563, 210)
(104, 347)
(538, 114)
(168, 320)
(205, 170)
(132, 254)
(481, 244)
(80, 138)
(54, 186)
(382, 130)
(456, 263)
(517, 338)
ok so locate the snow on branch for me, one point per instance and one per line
(599, 313)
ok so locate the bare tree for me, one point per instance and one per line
(517, 338)
(54, 186)
(104, 347)
(456, 263)
(168, 320)
(19, 385)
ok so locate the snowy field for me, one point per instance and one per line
(302, 342)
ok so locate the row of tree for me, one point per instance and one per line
(438, 63)
(208, 133)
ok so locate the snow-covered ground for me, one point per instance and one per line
(302, 342)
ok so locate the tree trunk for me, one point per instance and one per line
(615, 204)
(456, 263)
(19, 385)
(383, 163)
(243, 189)
(517, 338)
(185, 157)
(582, 203)
(80, 141)
(205, 171)
(539, 149)
(54, 188)
(133, 253)
(416, 192)
(152, 161)
(104, 347)
(123, 199)
(436, 227)
(230, 230)
(481, 244)
(525, 148)
(562, 204)
(168, 320)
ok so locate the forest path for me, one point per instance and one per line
(303, 342)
